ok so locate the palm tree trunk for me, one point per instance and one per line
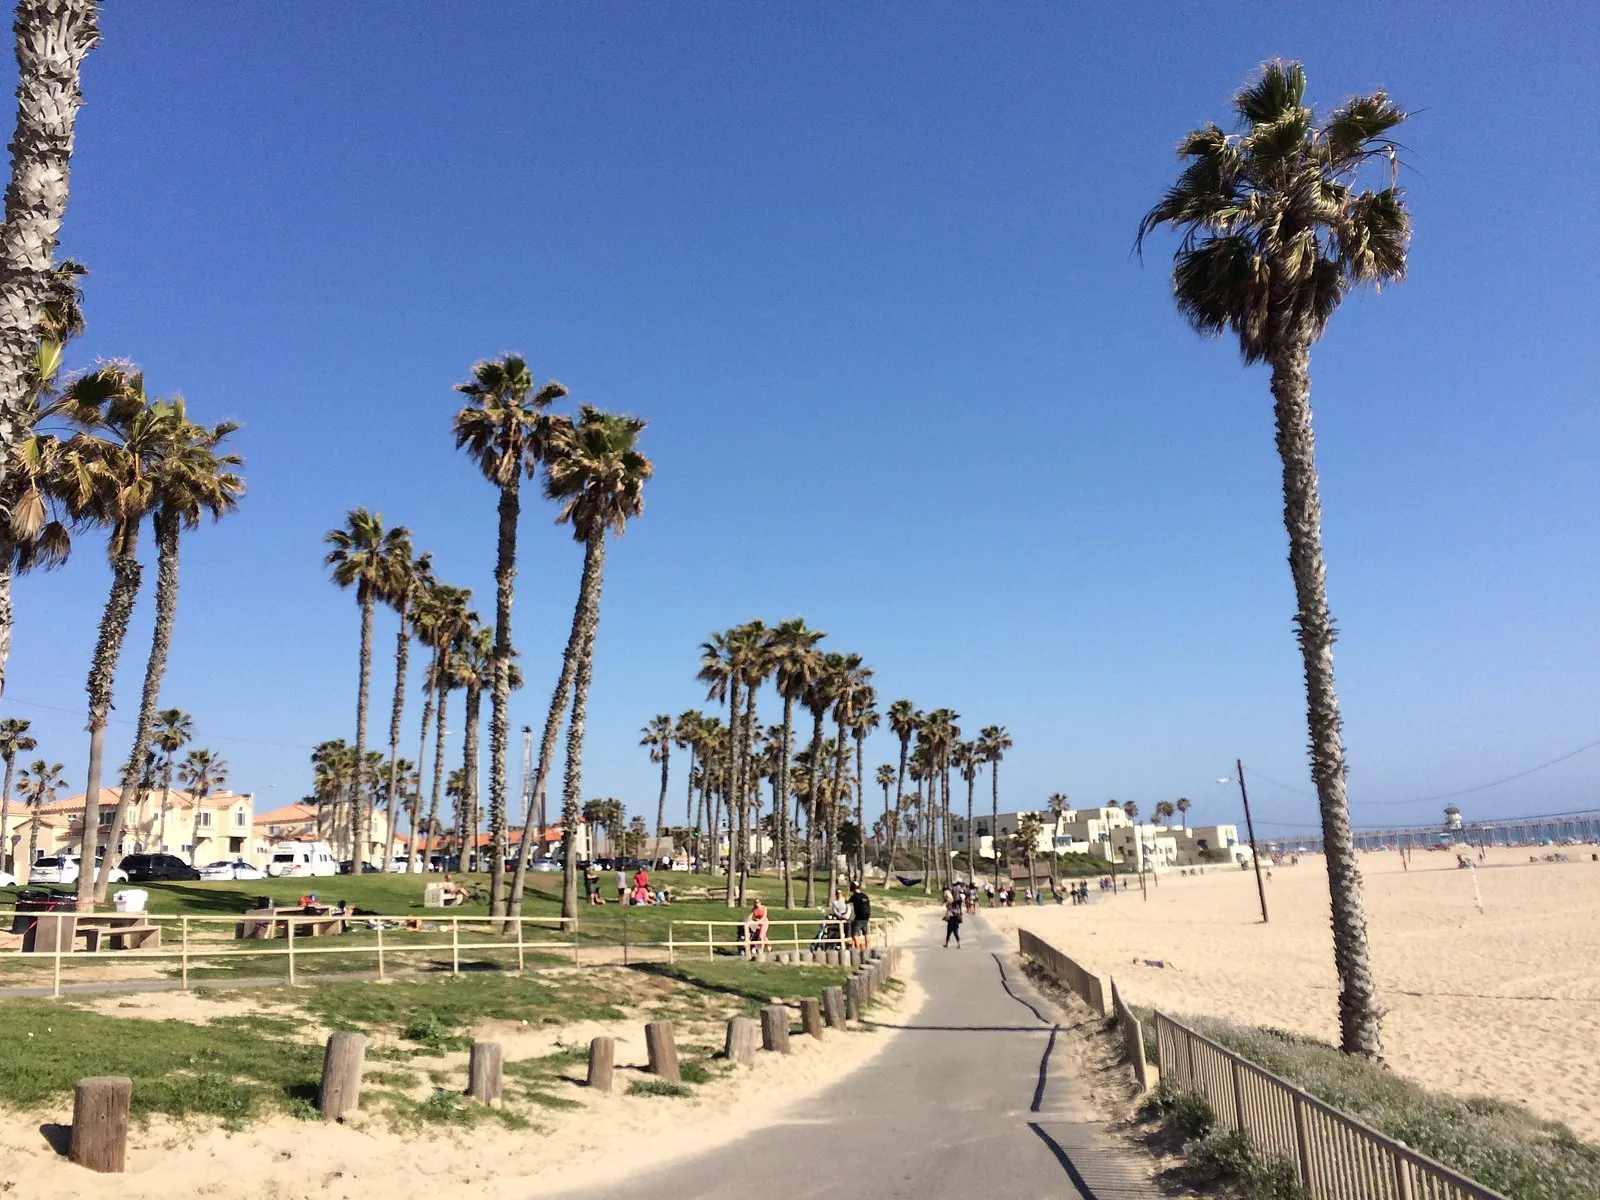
(547, 754)
(811, 809)
(735, 774)
(750, 805)
(33, 836)
(402, 653)
(166, 529)
(972, 841)
(422, 757)
(8, 614)
(899, 797)
(53, 36)
(585, 621)
(661, 804)
(505, 576)
(358, 792)
(1359, 1015)
(994, 816)
(125, 574)
(690, 822)
(781, 803)
(861, 810)
(7, 859)
(835, 804)
(469, 791)
(166, 798)
(442, 690)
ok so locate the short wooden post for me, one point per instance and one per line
(711, 950)
(183, 937)
(483, 1072)
(1302, 1151)
(1238, 1095)
(576, 961)
(811, 1017)
(833, 1007)
(740, 1046)
(671, 954)
(852, 998)
(341, 1075)
(522, 964)
(602, 1055)
(662, 1049)
(380, 949)
(775, 1028)
(100, 1123)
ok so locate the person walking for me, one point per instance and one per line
(860, 916)
(952, 923)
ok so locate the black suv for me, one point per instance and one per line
(157, 868)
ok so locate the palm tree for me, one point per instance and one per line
(851, 692)
(1276, 230)
(200, 772)
(107, 480)
(795, 662)
(884, 778)
(333, 768)
(190, 479)
(505, 431)
(1165, 811)
(1029, 827)
(53, 37)
(372, 559)
(407, 582)
(474, 670)
(1057, 803)
(904, 720)
(34, 532)
(14, 740)
(1183, 807)
(596, 472)
(864, 720)
(993, 742)
(37, 786)
(174, 729)
(965, 756)
(819, 697)
(755, 665)
(687, 733)
(658, 735)
(720, 662)
(449, 622)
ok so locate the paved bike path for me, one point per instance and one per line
(970, 1098)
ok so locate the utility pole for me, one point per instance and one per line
(1250, 828)
(527, 775)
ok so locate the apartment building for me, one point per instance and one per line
(197, 829)
(1109, 833)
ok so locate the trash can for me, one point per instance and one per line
(34, 900)
(131, 900)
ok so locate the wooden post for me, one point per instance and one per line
(483, 1072)
(624, 937)
(711, 951)
(100, 1123)
(455, 945)
(671, 957)
(288, 924)
(602, 1055)
(341, 1075)
(663, 1050)
(852, 998)
(380, 950)
(1302, 1152)
(740, 1046)
(775, 1028)
(521, 960)
(811, 1017)
(833, 1007)
(1238, 1096)
(184, 942)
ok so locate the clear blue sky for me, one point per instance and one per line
(867, 271)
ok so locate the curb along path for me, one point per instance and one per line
(970, 1098)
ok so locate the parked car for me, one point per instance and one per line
(65, 868)
(301, 859)
(158, 868)
(237, 869)
(7, 879)
(544, 864)
(347, 867)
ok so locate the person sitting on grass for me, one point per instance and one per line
(454, 893)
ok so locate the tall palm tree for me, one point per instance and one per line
(719, 670)
(53, 37)
(37, 786)
(14, 740)
(449, 623)
(107, 480)
(174, 729)
(190, 479)
(795, 662)
(1165, 811)
(1132, 809)
(1276, 230)
(504, 429)
(1057, 803)
(904, 720)
(659, 735)
(965, 757)
(407, 582)
(819, 698)
(474, 670)
(333, 769)
(993, 742)
(371, 559)
(1183, 807)
(943, 733)
(864, 720)
(1029, 827)
(200, 772)
(595, 471)
(851, 691)
(34, 532)
(686, 733)
(884, 778)
(755, 665)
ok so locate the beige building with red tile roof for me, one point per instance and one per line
(219, 827)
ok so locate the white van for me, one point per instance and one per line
(294, 859)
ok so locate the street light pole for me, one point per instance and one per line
(1250, 828)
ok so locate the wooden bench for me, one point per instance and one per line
(262, 923)
(123, 931)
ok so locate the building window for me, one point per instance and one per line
(238, 818)
(983, 829)
(107, 815)
(202, 820)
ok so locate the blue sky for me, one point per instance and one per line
(867, 271)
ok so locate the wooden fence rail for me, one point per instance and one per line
(1337, 1157)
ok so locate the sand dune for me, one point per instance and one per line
(1504, 1003)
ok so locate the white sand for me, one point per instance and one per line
(1506, 1003)
(608, 1138)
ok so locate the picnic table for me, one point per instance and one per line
(52, 932)
(262, 923)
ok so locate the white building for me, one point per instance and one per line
(1108, 833)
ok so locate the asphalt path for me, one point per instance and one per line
(971, 1098)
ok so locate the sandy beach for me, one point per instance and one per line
(606, 1138)
(1503, 1003)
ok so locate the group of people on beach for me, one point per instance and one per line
(847, 925)
(636, 891)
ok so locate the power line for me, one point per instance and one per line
(1483, 787)
(210, 736)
